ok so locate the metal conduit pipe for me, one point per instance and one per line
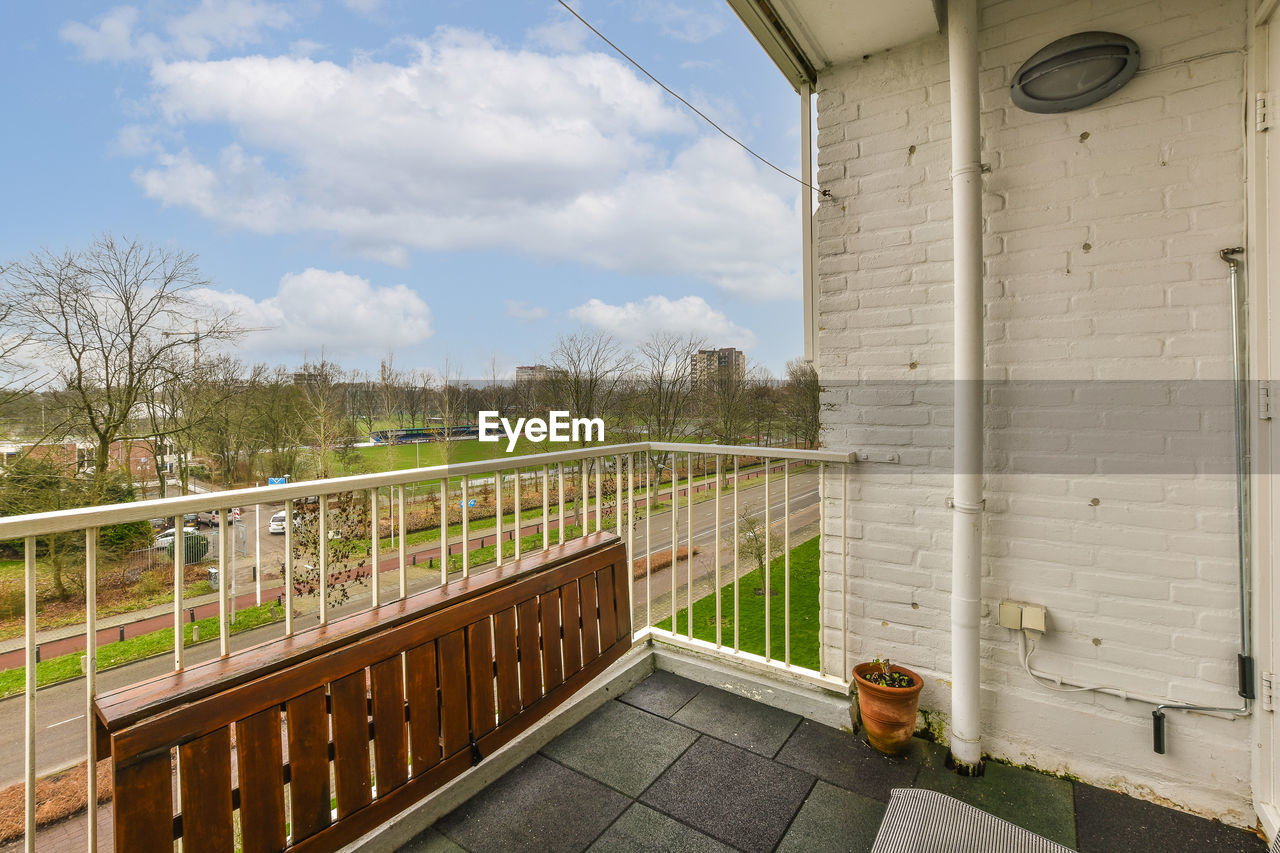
(1240, 375)
(967, 501)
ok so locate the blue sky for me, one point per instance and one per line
(441, 180)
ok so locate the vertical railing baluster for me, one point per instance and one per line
(546, 509)
(716, 555)
(786, 561)
(648, 542)
(768, 554)
(688, 560)
(179, 577)
(517, 508)
(231, 567)
(675, 542)
(444, 531)
(584, 495)
(288, 567)
(29, 700)
(402, 529)
(497, 514)
(599, 493)
(844, 572)
(257, 554)
(375, 599)
(631, 534)
(560, 503)
(617, 494)
(91, 674)
(822, 561)
(323, 561)
(736, 602)
(224, 545)
(465, 505)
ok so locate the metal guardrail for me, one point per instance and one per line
(604, 483)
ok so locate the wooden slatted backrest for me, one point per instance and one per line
(309, 742)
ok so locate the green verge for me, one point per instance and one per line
(804, 610)
(67, 666)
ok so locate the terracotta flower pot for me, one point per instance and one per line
(888, 713)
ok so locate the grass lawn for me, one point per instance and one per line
(804, 610)
(428, 453)
(11, 570)
(135, 648)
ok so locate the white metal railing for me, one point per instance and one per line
(712, 473)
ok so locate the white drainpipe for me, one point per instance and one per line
(967, 501)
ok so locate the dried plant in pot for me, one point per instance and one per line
(888, 698)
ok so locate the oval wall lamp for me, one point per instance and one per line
(1074, 72)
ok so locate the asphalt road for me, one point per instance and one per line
(60, 708)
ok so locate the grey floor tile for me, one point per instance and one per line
(431, 842)
(538, 806)
(662, 693)
(731, 794)
(836, 820)
(1034, 801)
(643, 830)
(621, 746)
(1108, 822)
(760, 728)
(844, 759)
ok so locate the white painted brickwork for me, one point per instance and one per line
(1101, 261)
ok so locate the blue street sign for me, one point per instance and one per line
(277, 481)
(471, 502)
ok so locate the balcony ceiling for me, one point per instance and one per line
(803, 37)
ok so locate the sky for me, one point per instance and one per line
(439, 180)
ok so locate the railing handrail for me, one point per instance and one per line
(83, 518)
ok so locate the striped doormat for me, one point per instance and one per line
(922, 821)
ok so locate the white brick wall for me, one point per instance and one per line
(1103, 228)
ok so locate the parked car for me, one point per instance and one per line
(164, 540)
(276, 525)
(215, 521)
(198, 518)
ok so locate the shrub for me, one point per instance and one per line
(150, 584)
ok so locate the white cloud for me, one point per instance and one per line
(212, 24)
(635, 321)
(112, 38)
(522, 310)
(471, 145)
(681, 22)
(345, 314)
(363, 7)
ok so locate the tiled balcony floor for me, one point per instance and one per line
(674, 765)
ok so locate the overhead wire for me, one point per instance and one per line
(700, 113)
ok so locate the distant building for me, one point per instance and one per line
(709, 364)
(532, 373)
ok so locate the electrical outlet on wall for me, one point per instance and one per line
(1033, 618)
(1018, 616)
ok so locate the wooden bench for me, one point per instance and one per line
(389, 704)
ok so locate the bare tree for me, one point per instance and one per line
(449, 406)
(279, 421)
(189, 395)
(726, 402)
(16, 378)
(98, 316)
(587, 370)
(801, 406)
(752, 540)
(327, 426)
